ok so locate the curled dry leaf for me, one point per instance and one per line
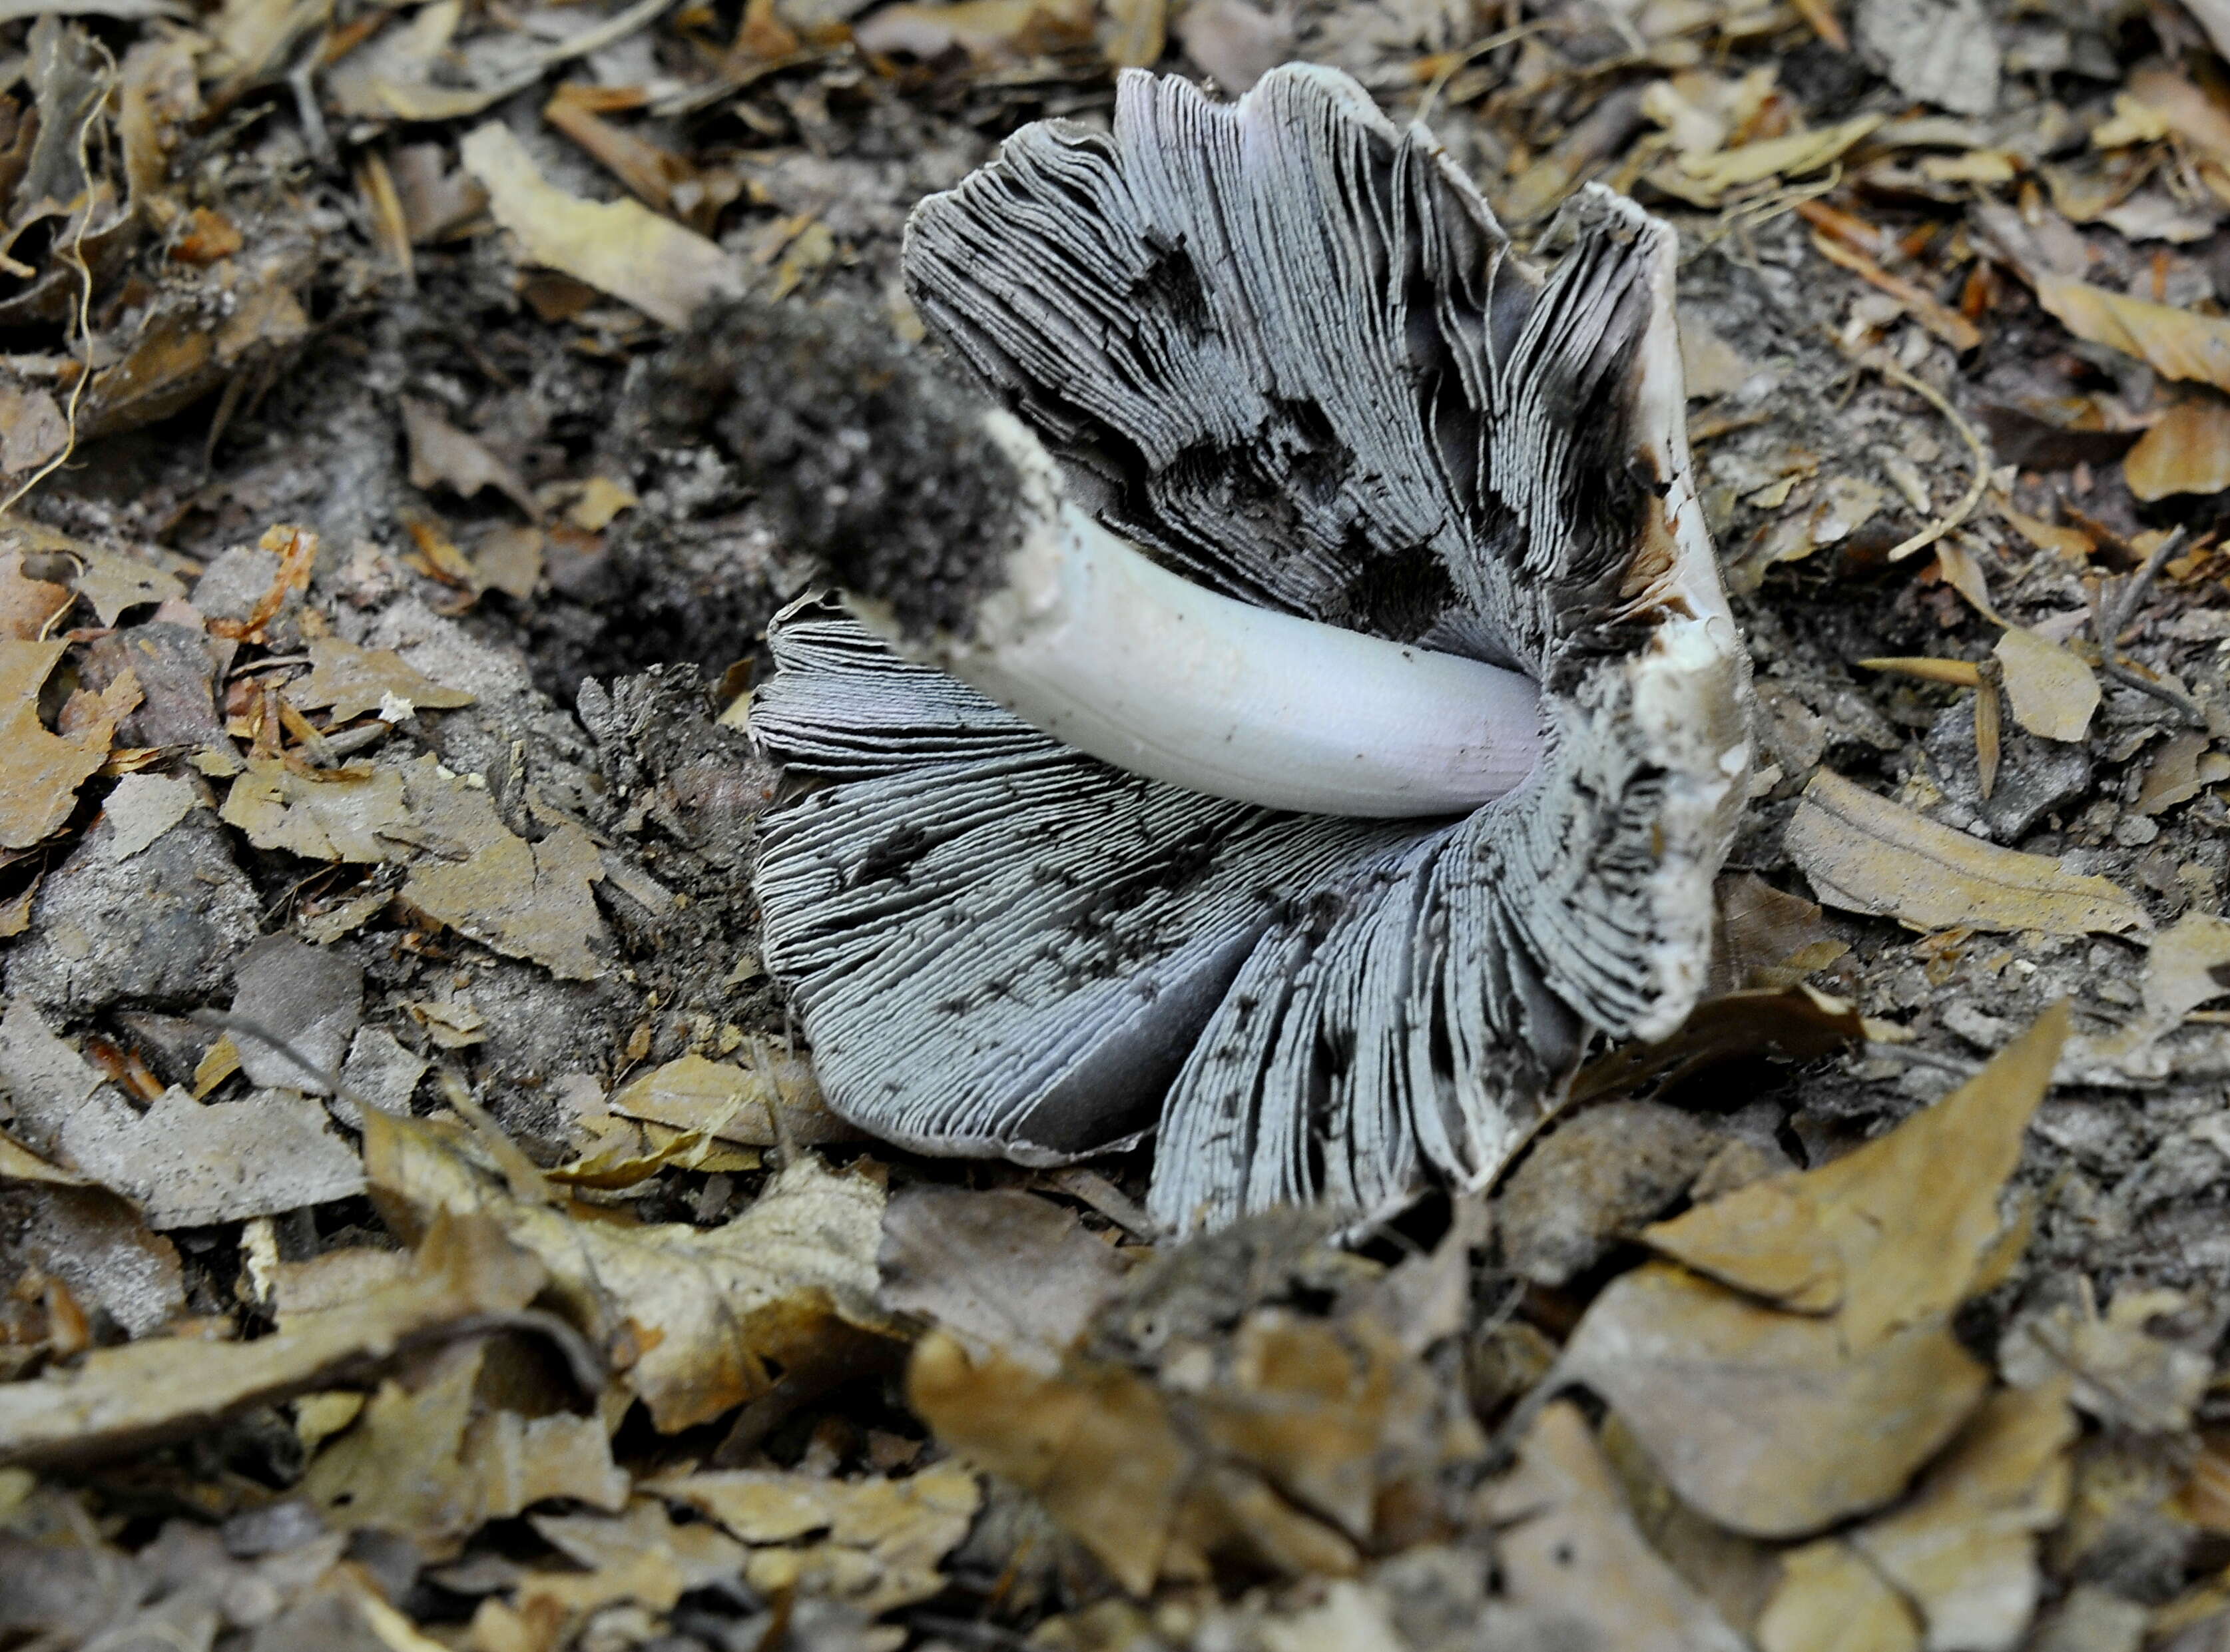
(1806, 1366)
(441, 453)
(621, 247)
(2052, 692)
(703, 1311)
(116, 1401)
(1865, 853)
(2176, 344)
(1702, 179)
(2187, 451)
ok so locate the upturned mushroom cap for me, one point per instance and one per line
(1285, 349)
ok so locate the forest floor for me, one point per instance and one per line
(372, 680)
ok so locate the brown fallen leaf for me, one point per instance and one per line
(1796, 1023)
(530, 900)
(2051, 691)
(1893, 1232)
(1957, 673)
(1567, 1546)
(1766, 1421)
(441, 453)
(1962, 1548)
(350, 680)
(759, 1104)
(1702, 179)
(1285, 1441)
(876, 1543)
(430, 1462)
(704, 1312)
(1765, 938)
(621, 247)
(1000, 1270)
(40, 772)
(2110, 1365)
(2184, 766)
(1919, 303)
(987, 29)
(321, 815)
(1865, 853)
(2186, 451)
(28, 606)
(2176, 344)
(2071, 543)
(118, 1401)
(1810, 1385)
(1828, 1597)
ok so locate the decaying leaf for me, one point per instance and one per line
(40, 772)
(2052, 693)
(329, 815)
(429, 1461)
(1283, 1443)
(1703, 179)
(1000, 1270)
(1893, 1231)
(772, 1100)
(186, 1164)
(2176, 344)
(1763, 1420)
(28, 606)
(1829, 1597)
(441, 453)
(349, 680)
(875, 1543)
(1795, 1023)
(703, 1310)
(1814, 1387)
(2184, 766)
(1865, 853)
(619, 247)
(530, 900)
(1569, 1548)
(121, 1400)
(2187, 451)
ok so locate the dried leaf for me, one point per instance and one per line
(1000, 1270)
(28, 606)
(706, 1309)
(2176, 344)
(1865, 853)
(620, 247)
(117, 1401)
(143, 807)
(758, 1105)
(1958, 674)
(875, 1543)
(2070, 543)
(1892, 1233)
(530, 900)
(1796, 1023)
(1919, 303)
(350, 681)
(309, 996)
(1137, 33)
(2182, 768)
(2187, 451)
(1567, 1546)
(332, 814)
(1767, 1422)
(1704, 178)
(1964, 1548)
(114, 583)
(2053, 692)
(988, 31)
(1829, 1600)
(187, 1164)
(40, 772)
(441, 453)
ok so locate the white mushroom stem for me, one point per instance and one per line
(1098, 646)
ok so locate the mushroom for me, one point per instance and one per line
(1299, 718)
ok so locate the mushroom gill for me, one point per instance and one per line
(1284, 349)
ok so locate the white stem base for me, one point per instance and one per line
(1107, 651)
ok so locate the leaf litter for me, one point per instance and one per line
(735, 1393)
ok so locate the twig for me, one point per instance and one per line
(2112, 616)
(1883, 363)
(84, 301)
